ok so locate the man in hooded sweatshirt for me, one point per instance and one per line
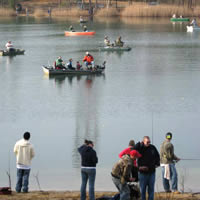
(88, 168)
(24, 153)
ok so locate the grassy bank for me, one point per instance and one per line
(6, 12)
(39, 9)
(75, 195)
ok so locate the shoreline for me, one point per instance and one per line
(75, 195)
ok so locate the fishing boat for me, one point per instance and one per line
(193, 28)
(114, 48)
(12, 53)
(49, 70)
(179, 19)
(83, 21)
(70, 33)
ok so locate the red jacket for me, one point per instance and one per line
(88, 58)
(127, 151)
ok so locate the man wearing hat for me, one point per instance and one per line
(121, 172)
(88, 59)
(168, 160)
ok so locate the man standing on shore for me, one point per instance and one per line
(24, 153)
(167, 160)
(147, 164)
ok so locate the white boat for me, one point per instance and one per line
(193, 28)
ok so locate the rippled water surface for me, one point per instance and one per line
(150, 90)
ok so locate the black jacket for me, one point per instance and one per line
(150, 157)
(88, 156)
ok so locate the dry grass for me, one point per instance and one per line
(62, 12)
(107, 12)
(40, 13)
(6, 12)
(75, 195)
(144, 10)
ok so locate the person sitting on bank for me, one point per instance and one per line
(9, 46)
(119, 42)
(78, 65)
(71, 28)
(88, 60)
(69, 64)
(107, 41)
(85, 28)
(59, 64)
(194, 23)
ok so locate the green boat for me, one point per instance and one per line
(114, 48)
(12, 53)
(179, 19)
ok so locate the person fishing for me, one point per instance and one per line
(168, 160)
(194, 23)
(69, 64)
(59, 64)
(118, 42)
(85, 29)
(88, 60)
(78, 65)
(107, 41)
(71, 28)
(9, 47)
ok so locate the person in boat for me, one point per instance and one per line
(85, 28)
(194, 23)
(81, 19)
(107, 41)
(174, 16)
(10, 47)
(69, 64)
(71, 28)
(88, 60)
(119, 42)
(78, 65)
(59, 64)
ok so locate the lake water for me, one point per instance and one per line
(150, 90)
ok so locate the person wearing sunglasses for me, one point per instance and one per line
(147, 165)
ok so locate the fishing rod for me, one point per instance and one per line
(152, 127)
(189, 159)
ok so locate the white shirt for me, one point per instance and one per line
(9, 45)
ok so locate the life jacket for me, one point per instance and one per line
(88, 58)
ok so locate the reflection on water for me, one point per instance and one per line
(60, 79)
(86, 117)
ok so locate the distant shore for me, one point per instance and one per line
(75, 195)
(39, 9)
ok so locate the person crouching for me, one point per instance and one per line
(122, 174)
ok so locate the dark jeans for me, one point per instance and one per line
(147, 181)
(22, 180)
(88, 174)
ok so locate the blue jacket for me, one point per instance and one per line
(88, 156)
